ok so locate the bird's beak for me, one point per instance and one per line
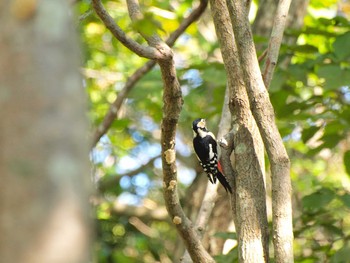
(201, 124)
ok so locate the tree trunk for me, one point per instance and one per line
(44, 153)
(249, 197)
(263, 113)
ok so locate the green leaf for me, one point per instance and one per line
(148, 25)
(335, 76)
(341, 46)
(304, 48)
(345, 198)
(318, 200)
(308, 133)
(226, 235)
(232, 256)
(341, 256)
(279, 78)
(346, 159)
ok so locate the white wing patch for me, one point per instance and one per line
(211, 153)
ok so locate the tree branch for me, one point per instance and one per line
(263, 113)
(136, 15)
(115, 106)
(275, 40)
(172, 99)
(118, 33)
(139, 73)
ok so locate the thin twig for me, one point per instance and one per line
(275, 40)
(262, 56)
(116, 105)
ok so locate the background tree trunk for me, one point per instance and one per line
(44, 152)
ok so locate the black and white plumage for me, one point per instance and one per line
(205, 146)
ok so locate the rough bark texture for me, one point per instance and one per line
(44, 153)
(264, 115)
(172, 99)
(249, 200)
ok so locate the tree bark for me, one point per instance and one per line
(249, 196)
(264, 115)
(44, 152)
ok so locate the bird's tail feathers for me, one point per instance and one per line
(222, 179)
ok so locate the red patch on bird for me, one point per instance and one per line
(220, 167)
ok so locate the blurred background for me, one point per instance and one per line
(310, 93)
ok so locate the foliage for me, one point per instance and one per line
(310, 93)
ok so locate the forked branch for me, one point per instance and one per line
(140, 72)
(172, 99)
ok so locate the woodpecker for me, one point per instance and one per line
(205, 146)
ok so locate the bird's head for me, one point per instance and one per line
(198, 124)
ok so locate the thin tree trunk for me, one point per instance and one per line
(44, 153)
(249, 196)
(264, 115)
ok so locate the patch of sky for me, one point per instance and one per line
(182, 148)
(145, 150)
(183, 39)
(101, 151)
(295, 135)
(158, 163)
(127, 163)
(137, 136)
(141, 183)
(139, 155)
(141, 180)
(193, 78)
(129, 199)
(346, 92)
(125, 182)
(185, 175)
(148, 124)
